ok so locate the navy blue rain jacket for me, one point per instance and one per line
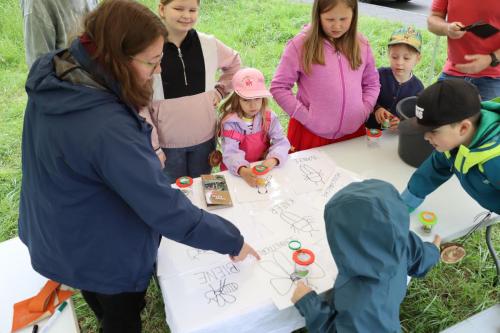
(94, 198)
(367, 227)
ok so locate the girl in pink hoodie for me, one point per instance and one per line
(250, 131)
(335, 72)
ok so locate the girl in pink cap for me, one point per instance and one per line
(250, 131)
(334, 69)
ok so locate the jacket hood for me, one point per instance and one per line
(55, 82)
(489, 126)
(367, 226)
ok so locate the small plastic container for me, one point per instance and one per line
(428, 220)
(303, 259)
(373, 136)
(184, 184)
(386, 124)
(260, 171)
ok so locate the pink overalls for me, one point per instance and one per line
(254, 145)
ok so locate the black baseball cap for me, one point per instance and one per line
(445, 102)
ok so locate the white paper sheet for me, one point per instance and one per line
(213, 293)
(273, 189)
(307, 171)
(277, 273)
(339, 179)
(293, 217)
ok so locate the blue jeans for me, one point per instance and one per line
(188, 161)
(488, 87)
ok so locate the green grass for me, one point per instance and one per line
(259, 31)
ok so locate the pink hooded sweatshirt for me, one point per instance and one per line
(333, 100)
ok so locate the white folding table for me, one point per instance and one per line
(455, 210)
(19, 281)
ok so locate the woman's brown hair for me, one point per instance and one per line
(121, 29)
(347, 44)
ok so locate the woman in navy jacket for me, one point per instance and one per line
(94, 199)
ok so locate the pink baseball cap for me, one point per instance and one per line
(249, 83)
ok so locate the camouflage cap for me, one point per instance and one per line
(408, 36)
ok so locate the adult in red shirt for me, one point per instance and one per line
(469, 56)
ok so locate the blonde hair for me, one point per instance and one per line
(347, 44)
(232, 105)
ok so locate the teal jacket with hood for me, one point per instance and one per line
(477, 166)
(367, 226)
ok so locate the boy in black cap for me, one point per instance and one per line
(466, 136)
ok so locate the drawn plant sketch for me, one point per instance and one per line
(281, 269)
(297, 223)
(222, 295)
(312, 175)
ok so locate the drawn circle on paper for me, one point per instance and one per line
(452, 253)
(294, 245)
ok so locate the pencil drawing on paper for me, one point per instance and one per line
(310, 174)
(332, 186)
(296, 222)
(222, 294)
(281, 268)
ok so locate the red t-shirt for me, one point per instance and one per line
(468, 12)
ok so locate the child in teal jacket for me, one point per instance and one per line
(367, 226)
(466, 136)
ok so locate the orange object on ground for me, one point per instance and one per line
(36, 308)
